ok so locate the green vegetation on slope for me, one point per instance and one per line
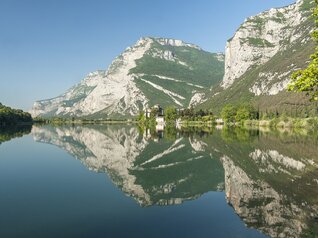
(10, 116)
(258, 42)
(292, 104)
(307, 80)
(190, 70)
(232, 113)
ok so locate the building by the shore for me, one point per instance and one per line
(159, 115)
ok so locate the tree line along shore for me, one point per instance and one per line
(231, 115)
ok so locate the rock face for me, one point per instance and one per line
(64, 104)
(154, 70)
(262, 55)
(259, 38)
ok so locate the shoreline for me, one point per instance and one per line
(275, 123)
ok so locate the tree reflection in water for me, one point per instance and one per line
(269, 178)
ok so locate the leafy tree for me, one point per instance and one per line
(242, 114)
(231, 113)
(228, 113)
(307, 80)
(245, 112)
(9, 116)
(187, 113)
(170, 114)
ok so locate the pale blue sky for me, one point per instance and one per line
(47, 46)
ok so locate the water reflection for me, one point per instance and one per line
(11, 132)
(145, 166)
(269, 178)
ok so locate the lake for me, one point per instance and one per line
(122, 181)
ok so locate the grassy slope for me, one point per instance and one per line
(202, 69)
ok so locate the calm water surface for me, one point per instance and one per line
(118, 181)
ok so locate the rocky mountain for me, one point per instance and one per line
(262, 55)
(154, 70)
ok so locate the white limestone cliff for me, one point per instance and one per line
(115, 93)
(259, 38)
(174, 42)
(114, 90)
(57, 105)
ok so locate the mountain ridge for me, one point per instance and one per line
(256, 69)
(260, 58)
(154, 70)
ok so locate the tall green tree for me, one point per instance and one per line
(245, 112)
(171, 114)
(228, 113)
(306, 80)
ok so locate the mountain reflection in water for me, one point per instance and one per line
(269, 178)
(150, 170)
